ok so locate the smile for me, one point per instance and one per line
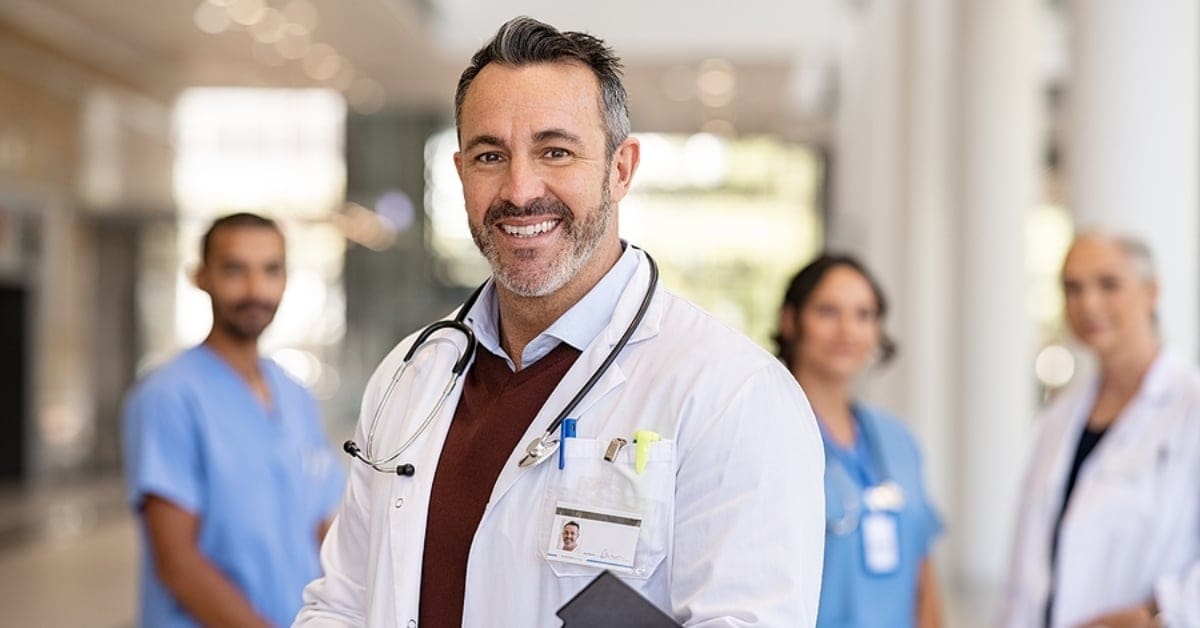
(528, 231)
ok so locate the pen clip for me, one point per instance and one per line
(566, 430)
(614, 449)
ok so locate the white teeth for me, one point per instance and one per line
(530, 230)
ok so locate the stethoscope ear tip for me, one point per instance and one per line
(350, 448)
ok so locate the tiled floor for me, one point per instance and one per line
(68, 557)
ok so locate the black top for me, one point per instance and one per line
(1087, 442)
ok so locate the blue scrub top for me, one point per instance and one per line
(261, 481)
(851, 597)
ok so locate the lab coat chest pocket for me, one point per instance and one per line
(1125, 487)
(589, 488)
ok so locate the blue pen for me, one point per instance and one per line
(568, 431)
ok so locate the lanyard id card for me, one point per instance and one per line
(598, 537)
(881, 542)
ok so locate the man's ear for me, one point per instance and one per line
(624, 165)
(198, 277)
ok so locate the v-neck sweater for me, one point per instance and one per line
(496, 408)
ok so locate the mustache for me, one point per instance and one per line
(544, 206)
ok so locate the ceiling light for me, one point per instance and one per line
(322, 62)
(295, 42)
(269, 29)
(246, 12)
(210, 18)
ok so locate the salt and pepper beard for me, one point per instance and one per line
(585, 237)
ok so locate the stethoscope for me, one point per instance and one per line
(542, 447)
(885, 495)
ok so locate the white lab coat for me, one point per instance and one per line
(737, 532)
(1132, 528)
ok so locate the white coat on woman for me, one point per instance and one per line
(1132, 529)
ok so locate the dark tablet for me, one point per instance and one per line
(608, 602)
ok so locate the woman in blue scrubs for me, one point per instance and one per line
(879, 523)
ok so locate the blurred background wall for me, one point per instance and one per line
(955, 144)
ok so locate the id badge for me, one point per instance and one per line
(598, 537)
(881, 542)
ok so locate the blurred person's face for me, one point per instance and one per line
(1108, 305)
(540, 190)
(245, 275)
(838, 329)
(570, 537)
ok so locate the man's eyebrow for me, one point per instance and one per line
(484, 140)
(556, 134)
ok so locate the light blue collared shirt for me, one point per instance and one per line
(577, 327)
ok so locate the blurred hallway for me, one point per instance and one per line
(954, 145)
(68, 557)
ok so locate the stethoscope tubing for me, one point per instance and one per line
(552, 429)
(543, 443)
(851, 509)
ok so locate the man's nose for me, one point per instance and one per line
(523, 183)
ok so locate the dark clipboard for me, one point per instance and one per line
(607, 602)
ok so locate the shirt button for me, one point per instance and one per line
(641, 571)
(399, 503)
(412, 623)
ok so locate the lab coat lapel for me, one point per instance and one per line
(1058, 462)
(587, 364)
(1130, 428)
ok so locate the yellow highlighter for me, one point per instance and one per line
(642, 439)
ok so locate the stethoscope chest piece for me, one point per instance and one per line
(537, 451)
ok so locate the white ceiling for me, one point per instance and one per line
(781, 53)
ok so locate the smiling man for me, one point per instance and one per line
(688, 452)
(227, 466)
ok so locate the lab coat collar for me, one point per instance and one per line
(1156, 388)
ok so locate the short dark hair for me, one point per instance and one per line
(525, 41)
(571, 523)
(800, 290)
(240, 220)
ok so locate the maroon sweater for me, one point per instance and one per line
(496, 408)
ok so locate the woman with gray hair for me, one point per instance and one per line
(1109, 527)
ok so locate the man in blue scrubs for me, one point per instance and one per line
(227, 465)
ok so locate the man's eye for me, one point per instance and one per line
(557, 153)
(488, 158)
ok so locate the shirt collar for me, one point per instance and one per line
(577, 327)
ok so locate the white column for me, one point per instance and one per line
(927, 339)
(1131, 148)
(868, 197)
(999, 160)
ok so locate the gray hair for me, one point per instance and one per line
(1133, 247)
(525, 41)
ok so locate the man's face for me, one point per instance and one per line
(570, 537)
(540, 190)
(245, 275)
